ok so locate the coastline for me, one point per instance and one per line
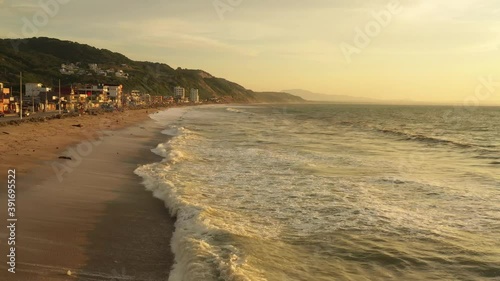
(95, 219)
(27, 144)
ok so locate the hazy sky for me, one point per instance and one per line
(427, 50)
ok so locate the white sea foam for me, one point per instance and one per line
(230, 109)
(169, 155)
(261, 198)
(196, 257)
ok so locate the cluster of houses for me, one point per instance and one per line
(93, 68)
(39, 98)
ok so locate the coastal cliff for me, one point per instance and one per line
(46, 60)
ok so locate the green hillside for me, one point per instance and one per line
(40, 60)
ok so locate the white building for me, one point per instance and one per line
(179, 93)
(113, 91)
(194, 96)
(34, 89)
(94, 67)
(121, 74)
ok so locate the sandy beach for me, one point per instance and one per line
(29, 143)
(89, 215)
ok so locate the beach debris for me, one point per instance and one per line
(6, 133)
(65, 158)
(69, 273)
(78, 125)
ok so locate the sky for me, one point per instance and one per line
(422, 50)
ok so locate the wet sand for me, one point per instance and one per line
(90, 215)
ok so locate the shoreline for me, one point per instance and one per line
(97, 220)
(30, 143)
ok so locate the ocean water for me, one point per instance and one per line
(331, 192)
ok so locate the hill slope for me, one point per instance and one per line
(40, 60)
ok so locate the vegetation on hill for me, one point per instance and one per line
(40, 60)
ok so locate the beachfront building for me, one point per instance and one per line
(115, 93)
(157, 99)
(92, 95)
(36, 96)
(48, 101)
(168, 99)
(5, 104)
(7, 101)
(33, 89)
(146, 98)
(179, 93)
(69, 99)
(2, 109)
(136, 98)
(194, 96)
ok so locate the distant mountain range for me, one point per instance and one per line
(310, 96)
(46, 60)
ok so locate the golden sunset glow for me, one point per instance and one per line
(431, 51)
